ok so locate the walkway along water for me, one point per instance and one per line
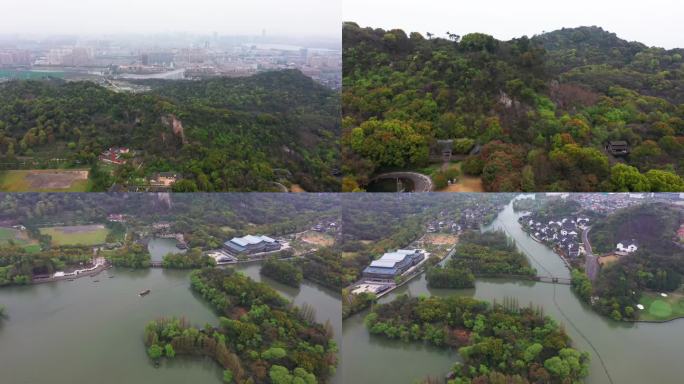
(633, 353)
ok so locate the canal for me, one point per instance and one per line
(632, 353)
(85, 331)
(160, 247)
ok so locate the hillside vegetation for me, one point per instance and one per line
(220, 134)
(657, 265)
(540, 110)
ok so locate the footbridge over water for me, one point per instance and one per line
(554, 280)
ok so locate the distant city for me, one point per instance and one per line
(114, 61)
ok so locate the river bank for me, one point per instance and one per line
(621, 352)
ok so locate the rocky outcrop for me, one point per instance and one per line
(171, 121)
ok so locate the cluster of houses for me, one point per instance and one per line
(393, 264)
(444, 226)
(625, 247)
(157, 182)
(564, 234)
(116, 218)
(469, 218)
(326, 226)
(607, 203)
(114, 155)
(163, 179)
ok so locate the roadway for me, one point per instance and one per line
(591, 264)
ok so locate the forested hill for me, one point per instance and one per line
(657, 265)
(220, 134)
(281, 91)
(542, 108)
(600, 59)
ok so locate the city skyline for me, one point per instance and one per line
(302, 18)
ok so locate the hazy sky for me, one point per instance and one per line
(652, 22)
(320, 18)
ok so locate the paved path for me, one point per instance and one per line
(591, 265)
(87, 273)
(421, 183)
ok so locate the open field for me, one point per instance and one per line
(603, 260)
(658, 308)
(44, 180)
(317, 238)
(440, 239)
(19, 237)
(349, 255)
(296, 188)
(465, 184)
(78, 234)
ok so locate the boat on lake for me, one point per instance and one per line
(144, 293)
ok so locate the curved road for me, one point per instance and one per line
(591, 265)
(421, 183)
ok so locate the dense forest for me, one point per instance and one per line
(657, 265)
(261, 337)
(529, 114)
(498, 343)
(282, 271)
(651, 225)
(488, 254)
(224, 134)
(192, 259)
(325, 267)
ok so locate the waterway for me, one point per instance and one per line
(160, 247)
(632, 353)
(390, 185)
(92, 332)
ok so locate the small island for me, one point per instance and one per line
(489, 254)
(496, 342)
(260, 335)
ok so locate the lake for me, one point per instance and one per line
(632, 353)
(85, 331)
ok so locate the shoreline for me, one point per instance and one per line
(91, 273)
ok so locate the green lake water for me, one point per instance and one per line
(92, 332)
(632, 353)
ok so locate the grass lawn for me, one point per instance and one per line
(44, 181)
(8, 234)
(20, 238)
(83, 234)
(32, 248)
(658, 308)
(317, 238)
